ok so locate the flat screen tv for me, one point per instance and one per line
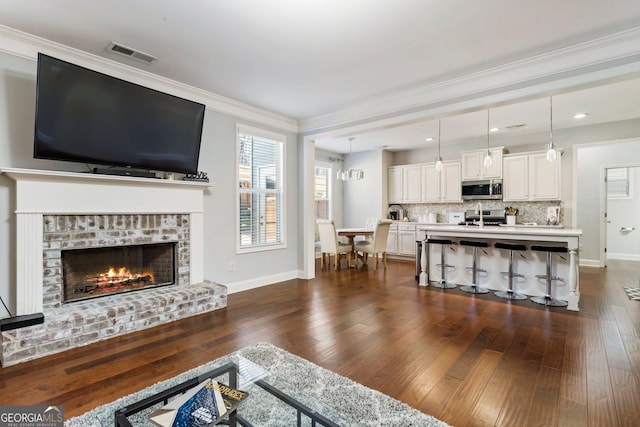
(89, 117)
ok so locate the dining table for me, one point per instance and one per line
(351, 234)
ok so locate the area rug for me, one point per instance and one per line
(361, 406)
(632, 293)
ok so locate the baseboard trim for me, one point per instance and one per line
(622, 256)
(258, 282)
(590, 263)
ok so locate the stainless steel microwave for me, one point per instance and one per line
(482, 190)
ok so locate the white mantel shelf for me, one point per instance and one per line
(40, 193)
(49, 175)
(46, 191)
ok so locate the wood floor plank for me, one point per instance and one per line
(627, 396)
(470, 360)
(601, 402)
(470, 389)
(544, 404)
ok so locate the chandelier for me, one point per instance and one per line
(347, 174)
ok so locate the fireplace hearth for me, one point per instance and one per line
(95, 272)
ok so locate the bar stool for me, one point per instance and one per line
(442, 283)
(474, 288)
(548, 299)
(509, 293)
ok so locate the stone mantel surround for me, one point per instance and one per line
(40, 193)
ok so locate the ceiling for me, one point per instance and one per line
(311, 58)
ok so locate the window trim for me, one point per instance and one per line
(278, 137)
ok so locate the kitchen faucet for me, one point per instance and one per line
(479, 211)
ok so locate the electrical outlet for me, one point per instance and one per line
(232, 266)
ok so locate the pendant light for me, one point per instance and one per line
(488, 160)
(552, 151)
(439, 158)
(344, 174)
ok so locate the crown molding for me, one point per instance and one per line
(27, 46)
(598, 60)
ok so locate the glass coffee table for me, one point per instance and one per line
(271, 400)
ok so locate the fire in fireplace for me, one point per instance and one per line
(95, 272)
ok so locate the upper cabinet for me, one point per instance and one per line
(473, 165)
(395, 184)
(443, 186)
(530, 177)
(404, 184)
(422, 183)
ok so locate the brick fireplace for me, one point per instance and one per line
(60, 214)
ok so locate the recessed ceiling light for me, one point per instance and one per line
(430, 139)
(580, 115)
(494, 129)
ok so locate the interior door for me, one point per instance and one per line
(622, 213)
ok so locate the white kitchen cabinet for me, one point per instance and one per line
(515, 185)
(430, 184)
(473, 165)
(395, 184)
(404, 184)
(411, 183)
(451, 184)
(530, 177)
(392, 240)
(443, 186)
(545, 177)
(406, 239)
(402, 239)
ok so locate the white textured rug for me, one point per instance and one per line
(632, 293)
(360, 405)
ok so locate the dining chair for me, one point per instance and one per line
(377, 245)
(329, 244)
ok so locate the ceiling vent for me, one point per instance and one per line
(131, 53)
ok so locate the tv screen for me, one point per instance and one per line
(90, 117)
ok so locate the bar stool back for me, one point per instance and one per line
(474, 288)
(442, 283)
(547, 299)
(509, 293)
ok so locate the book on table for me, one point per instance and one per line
(202, 406)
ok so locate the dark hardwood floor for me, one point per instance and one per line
(466, 360)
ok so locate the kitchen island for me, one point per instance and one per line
(495, 261)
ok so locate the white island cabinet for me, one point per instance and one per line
(495, 261)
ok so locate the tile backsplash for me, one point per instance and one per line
(527, 211)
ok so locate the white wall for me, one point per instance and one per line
(17, 108)
(365, 198)
(591, 159)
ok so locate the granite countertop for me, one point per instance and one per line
(504, 230)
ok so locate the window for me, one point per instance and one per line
(322, 192)
(260, 189)
(618, 183)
